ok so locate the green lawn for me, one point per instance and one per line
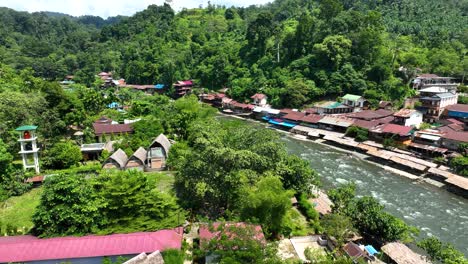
(17, 211)
(164, 181)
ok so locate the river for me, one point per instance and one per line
(434, 211)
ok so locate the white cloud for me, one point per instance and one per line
(106, 8)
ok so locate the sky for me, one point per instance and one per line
(106, 8)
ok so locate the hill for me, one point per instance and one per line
(296, 51)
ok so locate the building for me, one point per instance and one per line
(385, 105)
(331, 107)
(105, 128)
(434, 105)
(259, 99)
(371, 115)
(158, 152)
(265, 113)
(452, 139)
(429, 80)
(29, 150)
(183, 87)
(137, 160)
(354, 101)
(399, 253)
(458, 111)
(86, 249)
(118, 160)
(408, 117)
(92, 151)
(399, 133)
(335, 123)
(356, 253)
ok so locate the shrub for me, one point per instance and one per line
(358, 133)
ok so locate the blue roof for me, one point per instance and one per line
(159, 86)
(371, 250)
(113, 105)
(285, 124)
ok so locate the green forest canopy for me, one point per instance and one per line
(295, 51)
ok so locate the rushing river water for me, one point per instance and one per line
(434, 211)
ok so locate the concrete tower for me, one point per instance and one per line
(29, 150)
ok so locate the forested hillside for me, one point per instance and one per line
(295, 51)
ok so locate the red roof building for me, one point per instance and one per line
(101, 129)
(294, 116)
(311, 119)
(396, 129)
(30, 248)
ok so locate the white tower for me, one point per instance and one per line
(29, 148)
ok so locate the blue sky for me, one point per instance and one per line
(106, 8)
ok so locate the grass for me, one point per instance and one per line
(17, 211)
(298, 223)
(164, 181)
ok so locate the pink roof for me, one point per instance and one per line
(396, 129)
(455, 121)
(365, 124)
(458, 107)
(100, 129)
(456, 136)
(294, 116)
(184, 83)
(103, 74)
(258, 96)
(30, 248)
(312, 119)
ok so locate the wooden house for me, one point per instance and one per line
(183, 87)
(259, 99)
(408, 117)
(355, 101)
(117, 160)
(158, 152)
(137, 160)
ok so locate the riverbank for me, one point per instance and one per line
(397, 161)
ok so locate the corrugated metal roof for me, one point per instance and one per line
(30, 248)
(329, 120)
(352, 97)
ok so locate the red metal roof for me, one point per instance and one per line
(455, 121)
(30, 248)
(184, 83)
(456, 135)
(365, 124)
(100, 129)
(286, 111)
(396, 129)
(294, 116)
(371, 114)
(458, 107)
(311, 119)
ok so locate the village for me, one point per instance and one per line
(430, 127)
(399, 138)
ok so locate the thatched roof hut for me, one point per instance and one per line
(162, 142)
(138, 159)
(117, 160)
